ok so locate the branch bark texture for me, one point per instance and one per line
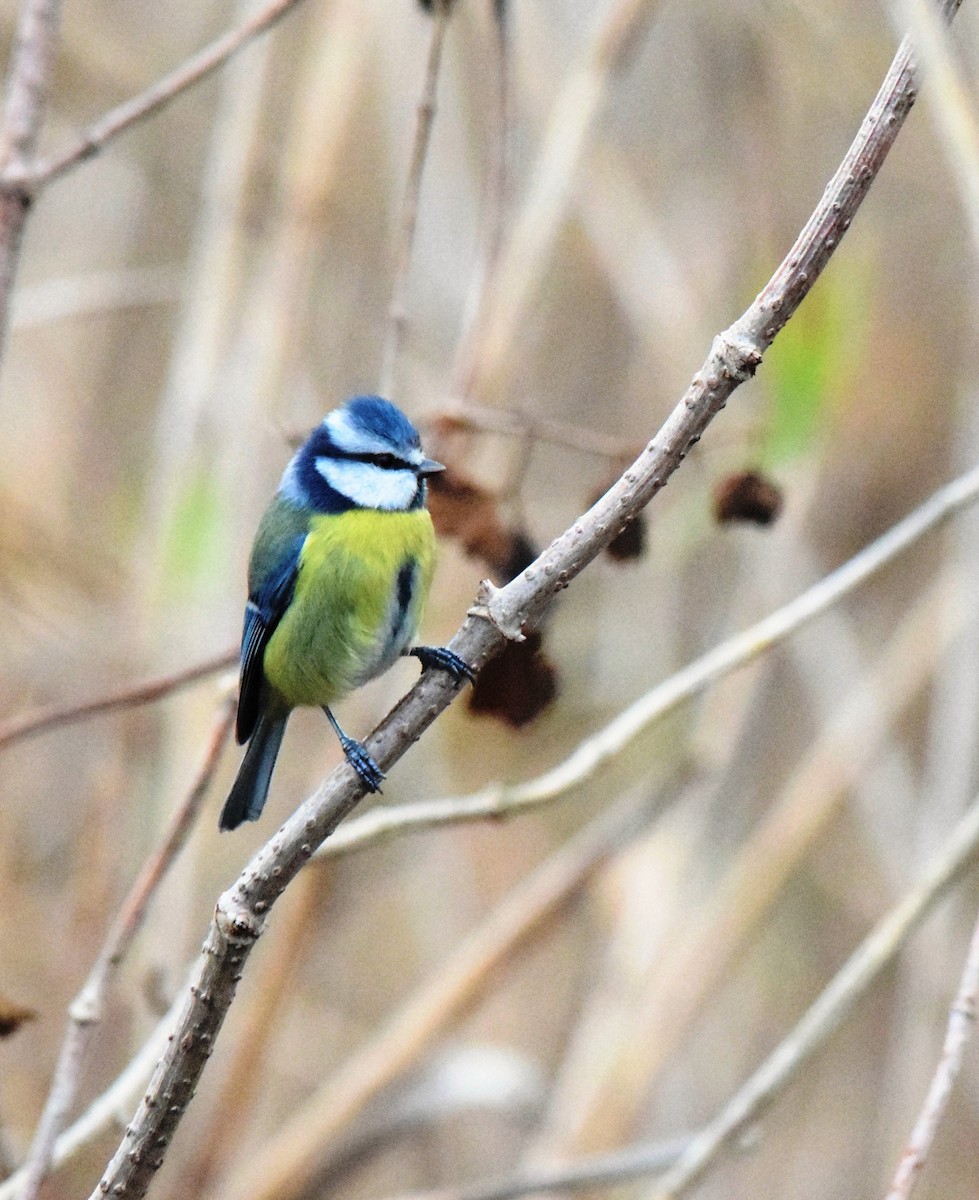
(88, 1008)
(27, 89)
(500, 615)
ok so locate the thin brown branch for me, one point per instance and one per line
(691, 968)
(398, 310)
(285, 1166)
(42, 720)
(28, 177)
(102, 1115)
(961, 1023)
(479, 418)
(596, 751)
(86, 1012)
(864, 966)
(27, 90)
(219, 1142)
(501, 615)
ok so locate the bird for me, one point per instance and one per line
(338, 575)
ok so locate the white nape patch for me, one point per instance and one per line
(289, 485)
(355, 440)
(369, 486)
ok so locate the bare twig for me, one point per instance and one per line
(478, 418)
(486, 271)
(87, 1009)
(31, 724)
(825, 1015)
(961, 1022)
(25, 177)
(104, 1113)
(688, 969)
(437, 1002)
(27, 88)
(592, 1171)
(398, 310)
(490, 341)
(503, 614)
(219, 1142)
(500, 799)
(284, 1166)
(27, 81)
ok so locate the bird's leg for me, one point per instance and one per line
(442, 659)
(369, 773)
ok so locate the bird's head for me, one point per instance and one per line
(365, 454)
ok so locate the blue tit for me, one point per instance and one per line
(337, 579)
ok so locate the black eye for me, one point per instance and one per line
(388, 461)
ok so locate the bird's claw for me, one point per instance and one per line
(369, 773)
(442, 659)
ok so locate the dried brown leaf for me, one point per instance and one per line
(12, 1016)
(747, 496)
(517, 685)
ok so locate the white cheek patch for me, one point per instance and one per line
(369, 486)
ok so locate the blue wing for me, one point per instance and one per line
(263, 612)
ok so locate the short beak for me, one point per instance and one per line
(428, 466)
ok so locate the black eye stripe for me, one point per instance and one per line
(389, 462)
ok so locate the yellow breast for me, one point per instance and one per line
(362, 582)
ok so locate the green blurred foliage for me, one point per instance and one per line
(194, 541)
(811, 366)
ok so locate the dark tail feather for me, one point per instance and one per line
(247, 796)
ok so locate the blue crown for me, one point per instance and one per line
(378, 418)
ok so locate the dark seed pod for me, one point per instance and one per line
(747, 496)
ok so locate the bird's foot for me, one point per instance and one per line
(442, 659)
(369, 773)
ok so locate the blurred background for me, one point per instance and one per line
(197, 296)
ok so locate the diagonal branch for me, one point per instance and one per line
(590, 756)
(961, 1022)
(87, 1010)
(824, 1016)
(285, 1166)
(508, 613)
(32, 724)
(28, 177)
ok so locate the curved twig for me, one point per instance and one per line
(29, 177)
(501, 800)
(32, 724)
